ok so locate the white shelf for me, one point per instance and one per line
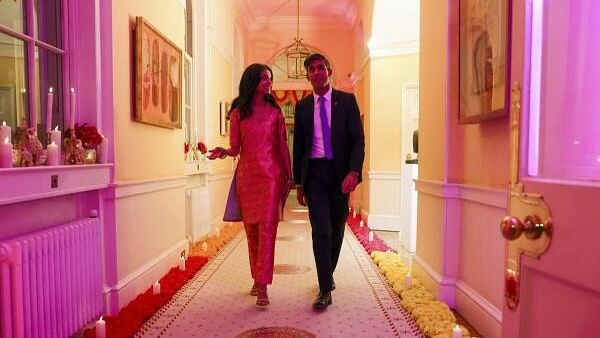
(32, 183)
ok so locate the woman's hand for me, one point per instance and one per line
(218, 152)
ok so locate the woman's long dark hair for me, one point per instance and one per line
(250, 80)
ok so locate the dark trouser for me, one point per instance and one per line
(327, 210)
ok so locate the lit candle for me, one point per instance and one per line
(181, 263)
(53, 154)
(6, 150)
(156, 288)
(407, 281)
(73, 110)
(49, 110)
(457, 332)
(204, 246)
(100, 328)
(371, 235)
(5, 131)
(362, 224)
(56, 137)
(353, 214)
(103, 150)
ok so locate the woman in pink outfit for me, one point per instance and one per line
(264, 174)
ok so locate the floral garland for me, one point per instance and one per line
(434, 318)
(131, 318)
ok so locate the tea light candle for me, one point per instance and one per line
(156, 288)
(362, 224)
(353, 214)
(56, 137)
(181, 263)
(53, 154)
(204, 246)
(73, 110)
(5, 131)
(371, 236)
(456, 332)
(100, 328)
(103, 150)
(6, 150)
(49, 110)
(407, 281)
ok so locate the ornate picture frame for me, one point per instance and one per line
(158, 78)
(483, 59)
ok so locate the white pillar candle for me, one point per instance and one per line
(103, 150)
(156, 288)
(6, 150)
(53, 154)
(100, 328)
(73, 109)
(5, 131)
(362, 224)
(371, 235)
(407, 281)
(204, 246)
(56, 137)
(456, 332)
(49, 110)
(181, 263)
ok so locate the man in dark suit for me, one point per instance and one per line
(329, 152)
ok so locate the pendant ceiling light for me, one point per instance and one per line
(297, 52)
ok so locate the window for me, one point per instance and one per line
(32, 52)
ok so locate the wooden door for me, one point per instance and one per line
(553, 290)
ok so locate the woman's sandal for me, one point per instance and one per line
(254, 290)
(262, 299)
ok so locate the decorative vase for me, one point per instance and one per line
(89, 156)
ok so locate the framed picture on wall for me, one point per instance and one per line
(483, 75)
(158, 80)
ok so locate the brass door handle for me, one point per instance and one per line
(533, 227)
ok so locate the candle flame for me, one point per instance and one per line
(51, 90)
(56, 128)
(72, 90)
(4, 123)
(52, 143)
(6, 140)
(100, 318)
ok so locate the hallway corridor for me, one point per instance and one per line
(216, 302)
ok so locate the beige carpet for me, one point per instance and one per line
(216, 302)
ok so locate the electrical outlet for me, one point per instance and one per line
(54, 181)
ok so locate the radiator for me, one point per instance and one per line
(51, 281)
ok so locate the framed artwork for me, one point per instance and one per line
(158, 80)
(483, 72)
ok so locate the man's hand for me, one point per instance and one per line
(350, 182)
(300, 196)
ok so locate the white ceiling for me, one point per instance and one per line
(268, 12)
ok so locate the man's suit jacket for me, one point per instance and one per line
(347, 136)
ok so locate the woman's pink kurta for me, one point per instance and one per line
(261, 173)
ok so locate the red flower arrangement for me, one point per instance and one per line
(362, 234)
(88, 134)
(202, 148)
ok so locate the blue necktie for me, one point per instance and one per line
(325, 128)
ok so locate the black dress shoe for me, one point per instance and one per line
(323, 300)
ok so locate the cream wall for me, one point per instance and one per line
(149, 197)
